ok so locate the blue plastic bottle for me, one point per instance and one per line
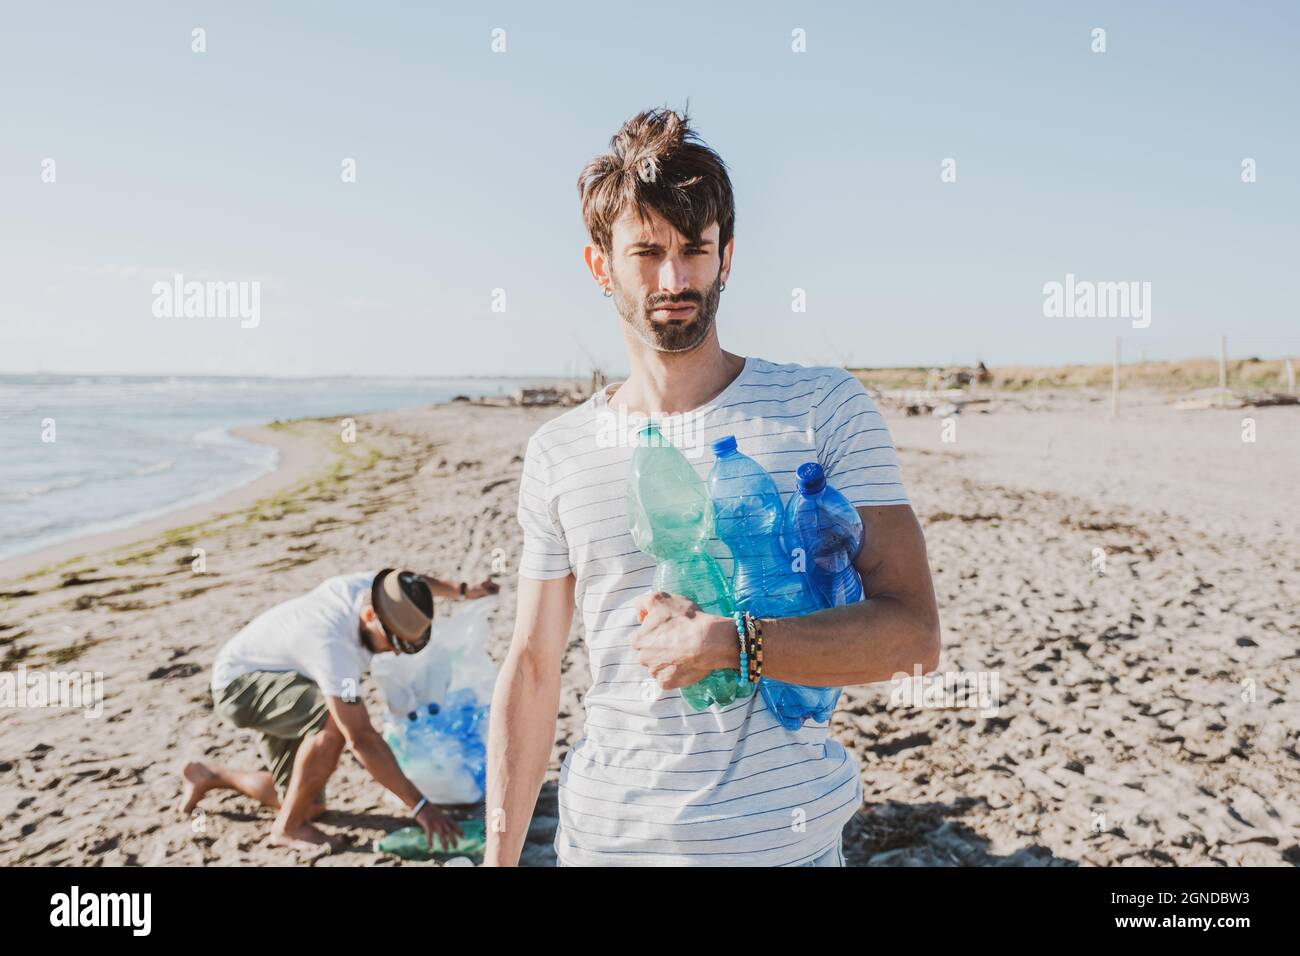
(748, 517)
(460, 723)
(828, 529)
(824, 529)
(420, 732)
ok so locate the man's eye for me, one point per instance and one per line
(645, 252)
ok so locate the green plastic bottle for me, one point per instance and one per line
(670, 516)
(410, 843)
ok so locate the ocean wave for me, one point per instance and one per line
(36, 491)
(219, 437)
(158, 466)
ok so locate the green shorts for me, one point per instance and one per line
(284, 707)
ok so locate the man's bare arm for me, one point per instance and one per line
(371, 749)
(524, 709)
(893, 629)
(451, 589)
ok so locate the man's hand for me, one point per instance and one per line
(435, 820)
(482, 589)
(451, 591)
(679, 644)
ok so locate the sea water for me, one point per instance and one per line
(128, 447)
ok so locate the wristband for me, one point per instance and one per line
(754, 647)
(419, 806)
(739, 618)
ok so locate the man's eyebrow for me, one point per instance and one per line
(651, 244)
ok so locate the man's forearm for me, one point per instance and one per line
(520, 737)
(379, 761)
(442, 589)
(859, 643)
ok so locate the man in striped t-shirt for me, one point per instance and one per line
(652, 781)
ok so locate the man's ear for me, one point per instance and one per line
(597, 263)
(725, 271)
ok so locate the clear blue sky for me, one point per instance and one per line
(225, 165)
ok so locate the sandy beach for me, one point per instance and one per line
(1131, 583)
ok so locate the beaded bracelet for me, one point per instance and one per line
(754, 648)
(749, 630)
(739, 618)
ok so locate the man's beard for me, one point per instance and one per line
(668, 336)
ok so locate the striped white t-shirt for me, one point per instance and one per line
(653, 782)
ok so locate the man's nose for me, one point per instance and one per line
(673, 276)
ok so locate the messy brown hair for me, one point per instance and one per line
(656, 161)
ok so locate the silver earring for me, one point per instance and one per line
(722, 287)
(607, 293)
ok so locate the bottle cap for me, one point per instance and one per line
(648, 436)
(724, 445)
(811, 478)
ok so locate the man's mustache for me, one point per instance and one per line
(680, 299)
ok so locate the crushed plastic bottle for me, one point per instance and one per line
(670, 518)
(824, 526)
(749, 517)
(410, 843)
(828, 528)
(747, 514)
(462, 719)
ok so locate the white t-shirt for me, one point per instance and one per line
(653, 782)
(315, 634)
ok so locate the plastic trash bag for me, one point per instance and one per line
(438, 701)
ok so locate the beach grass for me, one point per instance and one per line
(1247, 374)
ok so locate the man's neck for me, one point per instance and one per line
(670, 383)
(364, 636)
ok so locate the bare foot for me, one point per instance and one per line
(315, 810)
(198, 781)
(302, 837)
